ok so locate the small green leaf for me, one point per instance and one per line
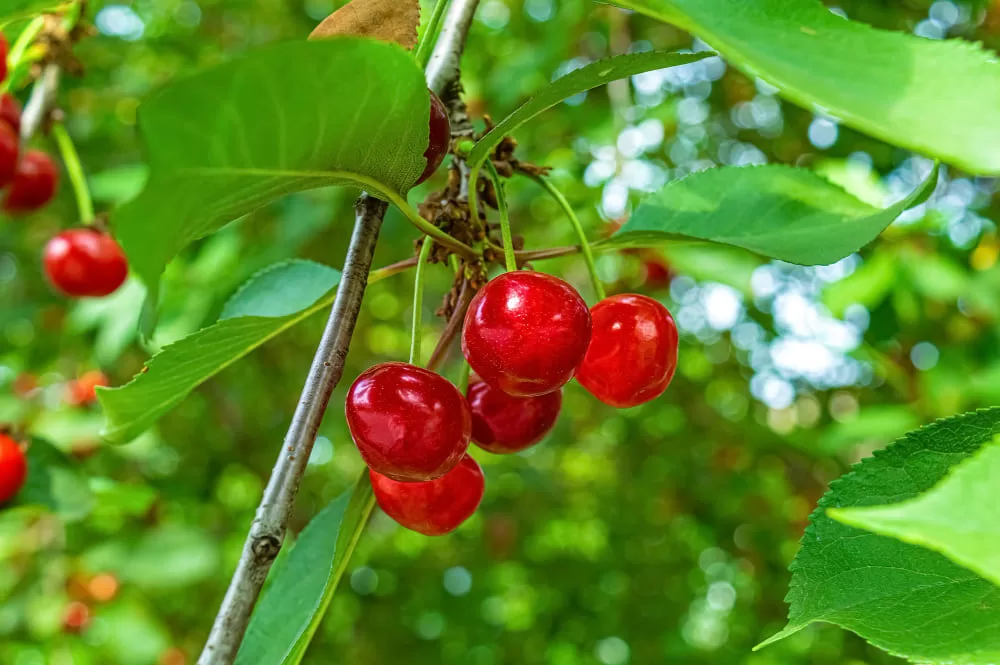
(778, 211)
(269, 303)
(290, 611)
(903, 89)
(575, 82)
(959, 517)
(56, 482)
(903, 598)
(282, 289)
(224, 142)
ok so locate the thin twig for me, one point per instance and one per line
(550, 253)
(267, 532)
(452, 327)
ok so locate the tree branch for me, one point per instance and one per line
(267, 533)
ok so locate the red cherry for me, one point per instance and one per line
(10, 111)
(502, 423)
(439, 140)
(633, 353)
(435, 507)
(13, 468)
(658, 273)
(83, 390)
(526, 333)
(10, 146)
(85, 262)
(409, 423)
(34, 184)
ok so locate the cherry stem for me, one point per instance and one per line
(20, 47)
(588, 255)
(418, 301)
(463, 377)
(423, 51)
(77, 178)
(453, 326)
(392, 269)
(508, 239)
(429, 229)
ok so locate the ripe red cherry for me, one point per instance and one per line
(658, 273)
(526, 333)
(502, 423)
(633, 351)
(10, 111)
(85, 262)
(435, 507)
(13, 468)
(34, 184)
(440, 138)
(409, 423)
(10, 146)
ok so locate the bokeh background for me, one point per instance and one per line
(656, 534)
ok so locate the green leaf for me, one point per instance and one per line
(290, 611)
(778, 211)
(272, 301)
(15, 10)
(226, 141)
(959, 517)
(869, 285)
(55, 482)
(575, 82)
(903, 598)
(903, 89)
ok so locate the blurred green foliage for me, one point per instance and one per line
(656, 534)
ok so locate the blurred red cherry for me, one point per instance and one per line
(13, 467)
(85, 262)
(10, 111)
(34, 184)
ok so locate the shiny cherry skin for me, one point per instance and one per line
(633, 352)
(504, 424)
(10, 146)
(409, 423)
(10, 111)
(434, 507)
(85, 262)
(439, 140)
(34, 184)
(13, 468)
(526, 333)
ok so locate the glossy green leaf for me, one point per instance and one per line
(941, 98)
(290, 611)
(272, 301)
(577, 81)
(55, 482)
(903, 598)
(283, 119)
(959, 517)
(778, 211)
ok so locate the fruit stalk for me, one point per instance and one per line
(267, 532)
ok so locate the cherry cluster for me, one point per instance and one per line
(30, 179)
(525, 335)
(78, 262)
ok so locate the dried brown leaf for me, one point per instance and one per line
(388, 20)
